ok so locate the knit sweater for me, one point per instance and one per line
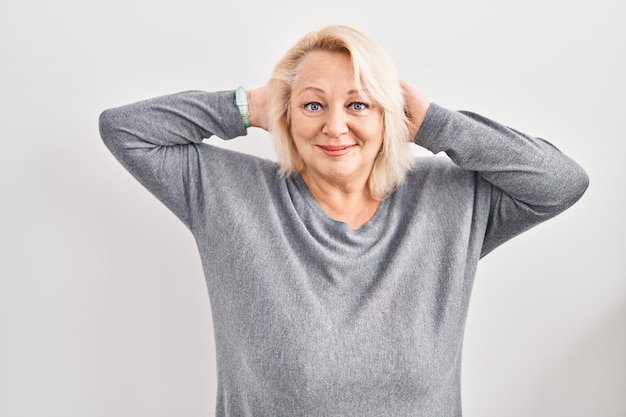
(312, 318)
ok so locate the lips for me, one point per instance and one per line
(336, 150)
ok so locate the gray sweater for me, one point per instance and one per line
(310, 317)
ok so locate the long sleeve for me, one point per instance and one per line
(159, 141)
(530, 180)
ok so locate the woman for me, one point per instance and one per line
(340, 277)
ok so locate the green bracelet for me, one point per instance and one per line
(241, 98)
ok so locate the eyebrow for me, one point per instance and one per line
(321, 90)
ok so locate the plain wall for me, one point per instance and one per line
(103, 306)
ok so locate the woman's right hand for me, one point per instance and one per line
(257, 107)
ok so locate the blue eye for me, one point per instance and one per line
(313, 106)
(358, 106)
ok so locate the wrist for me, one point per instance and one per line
(257, 106)
(241, 99)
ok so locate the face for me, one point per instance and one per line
(337, 130)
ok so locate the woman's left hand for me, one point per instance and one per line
(416, 108)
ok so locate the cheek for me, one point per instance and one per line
(299, 136)
(303, 128)
(378, 130)
(372, 132)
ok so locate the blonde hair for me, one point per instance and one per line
(377, 75)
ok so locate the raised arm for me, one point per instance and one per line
(531, 179)
(159, 142)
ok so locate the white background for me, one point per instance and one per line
(103, 308)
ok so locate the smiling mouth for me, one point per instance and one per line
(336, 150)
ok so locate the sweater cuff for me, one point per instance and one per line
(428, 134)
(230, 115)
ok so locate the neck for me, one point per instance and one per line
(349, 203)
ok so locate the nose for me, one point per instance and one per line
(335, 123)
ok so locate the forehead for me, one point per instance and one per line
(325, 69)
(320, 57)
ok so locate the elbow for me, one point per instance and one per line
(562, 187)
(572, 184)
(112, 125)
(580, 183)
(106, 124)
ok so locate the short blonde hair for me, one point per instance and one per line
(377, 75)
